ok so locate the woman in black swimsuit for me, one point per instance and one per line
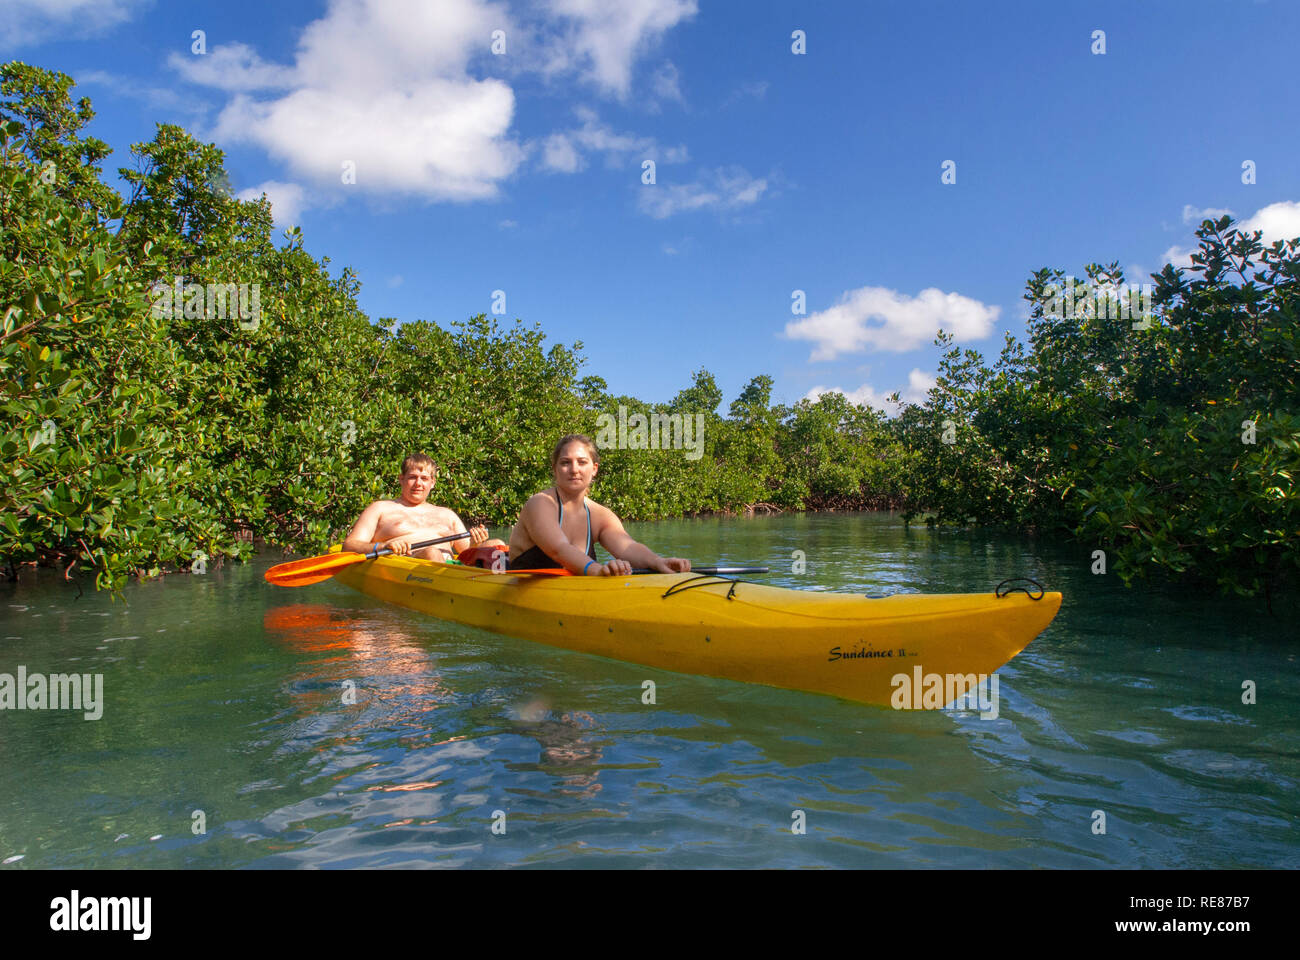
(553, 523)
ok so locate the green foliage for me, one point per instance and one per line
(1169, 441)
(837, 455)
(1194, 470)
(93, 442)
(184, 384)
(486, 404)
(48, 132)
(980, 447)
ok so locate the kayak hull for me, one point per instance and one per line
(845, 645)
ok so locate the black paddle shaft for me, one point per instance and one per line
(711, 571)
(419, 546)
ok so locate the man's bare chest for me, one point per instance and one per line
(406, 519)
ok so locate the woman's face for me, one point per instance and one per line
(574, 468)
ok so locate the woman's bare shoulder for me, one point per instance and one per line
(603, 512)
(542, 498)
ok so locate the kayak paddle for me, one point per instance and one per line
(300, 573)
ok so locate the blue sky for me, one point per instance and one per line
(774, 171)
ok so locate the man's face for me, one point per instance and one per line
(416, 484)
(574, 470)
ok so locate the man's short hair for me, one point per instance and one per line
(419, 460)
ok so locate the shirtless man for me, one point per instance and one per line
(560, 527)
(396, 524)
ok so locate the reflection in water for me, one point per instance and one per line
(344, 660)
(391, 668)
(573, 759)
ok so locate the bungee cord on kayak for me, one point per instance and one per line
(704, 580)
(998, 591)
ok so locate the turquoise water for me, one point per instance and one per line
(227, 696)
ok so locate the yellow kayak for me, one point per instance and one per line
(846, 645)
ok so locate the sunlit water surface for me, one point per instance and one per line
(227, 740)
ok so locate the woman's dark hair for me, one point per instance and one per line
(575, 438)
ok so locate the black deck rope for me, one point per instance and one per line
(998, 591)
(703, 580)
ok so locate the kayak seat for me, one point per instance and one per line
(484, 557)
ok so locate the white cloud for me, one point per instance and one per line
(382, 85)
(163, 97)
(559, 154)
(756, 89)
(386, 86)
(394, 282)
(918, 387)
(563, 152)
(1194, 215)
(234, 66)
(508, 224)
(603, 39)
(596, 136)
(916, 391)
(865, 395)
(666, 82)
(377, 44)
(1277, 221)
(287, 200)
(30, 22)
(882, 319)
(727, 188)
(443, 139)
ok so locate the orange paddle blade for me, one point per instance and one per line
(300, 573)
